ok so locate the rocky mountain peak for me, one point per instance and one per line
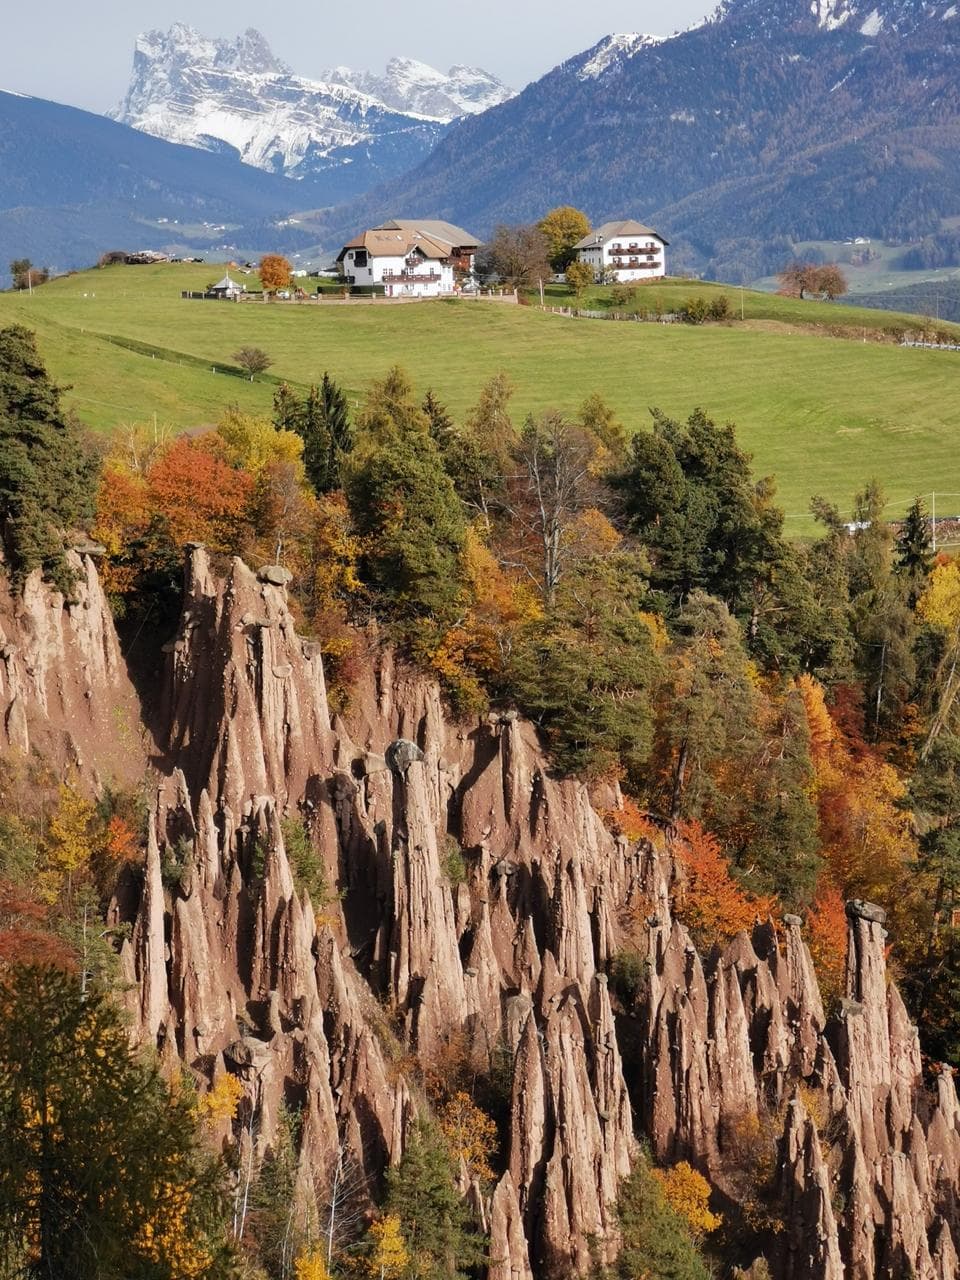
(356, 127)
(410, 85)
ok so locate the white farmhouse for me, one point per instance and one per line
(624, 251)
(410, 259)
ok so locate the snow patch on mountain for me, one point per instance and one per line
(615, 49)
(412, 86)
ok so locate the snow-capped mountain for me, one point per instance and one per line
(412, 86)
(235, 95)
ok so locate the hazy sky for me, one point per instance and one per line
(80, 51)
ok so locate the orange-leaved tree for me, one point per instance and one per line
(275, 272)
(199, 495)
(864, 828)
(713, 904)
(827, 939)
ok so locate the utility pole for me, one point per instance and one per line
(741, 302)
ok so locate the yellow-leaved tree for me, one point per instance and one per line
(221, 1102)
(70, 845)
(311, 1265)
(688, 1193)
(388, 1258)
(470, 1134)
(253, 442)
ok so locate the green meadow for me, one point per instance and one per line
(821, 413)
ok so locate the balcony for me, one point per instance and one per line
(635, 248)
(411, 277)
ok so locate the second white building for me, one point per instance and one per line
(623, 252)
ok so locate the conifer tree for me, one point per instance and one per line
(48, 475)
(656, 1239)
(404, 506)
(914, 554)
(442, 427)
(324, 424)
(287, 408)
(441, 1241)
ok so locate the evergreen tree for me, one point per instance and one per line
(327, 435)
(656, 1239)
(587, 673)
(102, 1176)
(882, 621)
(404, 506)
(688, 494)
(441, 1241)
(287, 409)
(48, 475)
(442, 427)
(914, 554)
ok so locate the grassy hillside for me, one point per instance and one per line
(821, 413)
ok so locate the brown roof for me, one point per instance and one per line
(435, 240)
(435, 229)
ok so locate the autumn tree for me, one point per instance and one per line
(102, 1175)
(599, 417)
(198, 495)
(25, 275)
(714, 905)
(48, 473)
(563, 227)
(275, 272)
(470, 1135)
(516, 256)
(579, 276)
(687, 1192)
(798, 279)
(252, 360)
(388, 1258)
(826, 927)
(831, 281)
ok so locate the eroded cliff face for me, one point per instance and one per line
(322, 1004)
(64, 690)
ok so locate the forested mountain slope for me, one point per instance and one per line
(775, 119)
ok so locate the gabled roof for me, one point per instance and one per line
(616, 230)
(435, 240)
(226, 284)
(435, 229)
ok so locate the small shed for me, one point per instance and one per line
(226, 288)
